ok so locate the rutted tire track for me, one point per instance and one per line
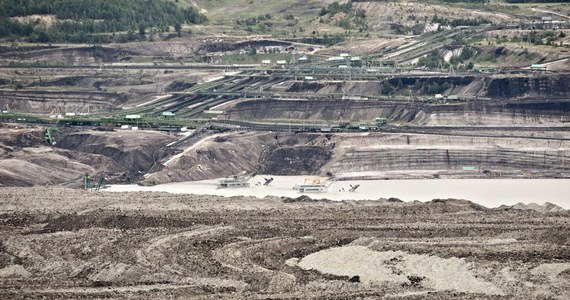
(203, 247)
(153, 255)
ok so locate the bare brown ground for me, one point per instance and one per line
(121, 155)
(60, 244)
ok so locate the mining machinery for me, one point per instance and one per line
(240, 180)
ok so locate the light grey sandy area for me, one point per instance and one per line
(437, 273)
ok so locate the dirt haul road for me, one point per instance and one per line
(60, 243)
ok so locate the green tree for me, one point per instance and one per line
(81, 18)
(344, 23)
(417, 84)
(434, 88)
(387, 88)
(43, 37)
(178, 28)
(467, 53)
(130, 36)
(400, 84)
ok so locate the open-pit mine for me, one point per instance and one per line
(286, 150)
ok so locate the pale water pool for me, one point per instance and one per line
(487, 192)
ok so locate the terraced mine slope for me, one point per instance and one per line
(353, 90)
(60, 243)
(153, 157)
(409, 152)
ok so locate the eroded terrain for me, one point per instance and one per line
(60, 243)
(379, 90)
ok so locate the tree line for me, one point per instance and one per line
(81, 18)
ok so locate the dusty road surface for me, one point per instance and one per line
(60, 243)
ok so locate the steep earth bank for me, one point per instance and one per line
(132, 156)
(483, 112)
(491, 86)
(227, 154)
(109, 53)
(44, 102)
(448, 155)
(119, 156)
(373, 155)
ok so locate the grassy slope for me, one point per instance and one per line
(239, 9)
(223, 14)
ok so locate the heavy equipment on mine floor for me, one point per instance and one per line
(49, 135)
(240, 180)
(353, 187)
(313, 185)
(267, 180)
(90, 185)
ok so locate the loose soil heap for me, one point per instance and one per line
(60, 243)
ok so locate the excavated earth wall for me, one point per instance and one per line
(499, 86)
(62, 56)
(136, 152)
(372, 155)
(119, 156)
(330, 110)
(444, 154)
(228, 154)
(130, 156)
(43, 102)
(543, 85)
(552, 111)
(483, 112)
